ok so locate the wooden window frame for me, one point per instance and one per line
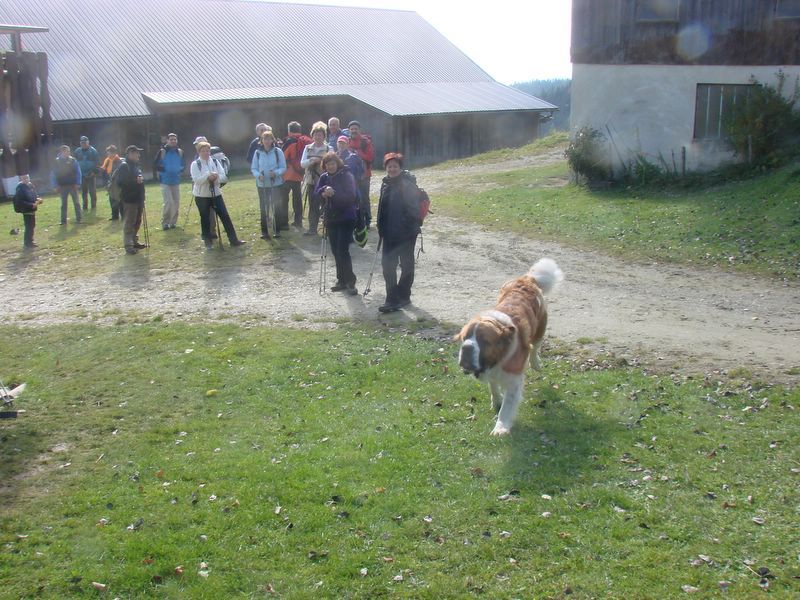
(782, 12)
(713, 103)
(647, 6)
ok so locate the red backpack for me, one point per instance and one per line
(293, 147)
(424, 205)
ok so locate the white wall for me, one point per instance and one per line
(649, 109)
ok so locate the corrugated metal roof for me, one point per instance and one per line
(396, 99)
(104, 55)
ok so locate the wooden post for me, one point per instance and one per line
(683, 161)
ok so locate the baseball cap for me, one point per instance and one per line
(133, 148)
(343, 138)
(84, 138)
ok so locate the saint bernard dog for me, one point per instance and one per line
(496, 344)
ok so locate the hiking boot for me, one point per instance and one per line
(131, 250)
(389, 307)
(209, 244)
(339, 287)
(31, 245)
(403, 302)
(351, 290)
(139, 246)
(265, 236)
(310, 233)
(237, 243)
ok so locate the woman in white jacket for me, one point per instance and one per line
(268, 167)
(311, 161)
(208, 176)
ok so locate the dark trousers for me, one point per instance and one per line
(204, 206)
(281, 203)
(131, 222)
(401, 253)
(363, 200)
(314, 209)
(89, 189)
(29, 219)
(295, 189)
(340, 235)
(116, 206)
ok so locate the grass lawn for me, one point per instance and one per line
(214, 461)
(749, 226)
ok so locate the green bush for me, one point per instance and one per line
(762, 129)
(586, 155)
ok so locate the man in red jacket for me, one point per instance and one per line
(361, 144)
(293, 146)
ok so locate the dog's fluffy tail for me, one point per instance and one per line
(547, 274)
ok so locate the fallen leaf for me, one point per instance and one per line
(212, 392)
(179, 570)
(690, 589)
(102, 587)
(160, 473)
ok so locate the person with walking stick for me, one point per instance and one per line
(398, 227)
(131, 191)
(337, 188)
(268, 167)
(208, 175)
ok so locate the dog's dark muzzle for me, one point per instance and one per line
(469, 360)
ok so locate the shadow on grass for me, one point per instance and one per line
(559, 446)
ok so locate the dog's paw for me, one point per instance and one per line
(500, 430)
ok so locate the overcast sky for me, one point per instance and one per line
(513, 41)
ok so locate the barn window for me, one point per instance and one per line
(657, 10)
(787, 9)
(714, 105)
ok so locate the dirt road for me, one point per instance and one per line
(693, 320)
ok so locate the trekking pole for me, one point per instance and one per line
(323, 258)
(146, 228)
(372, 268)
(216, 213)
(188, 210)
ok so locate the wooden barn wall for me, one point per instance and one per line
(429, 139)
(739, 32)
(423, 140)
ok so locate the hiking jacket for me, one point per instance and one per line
(332, 137)
(130, 190)
(254, 145)
(362, 145)
(88, 160)
(353, 162)
(265, 161)
(25, 198)
(342, 206)
(312, 173)
(169, 165)
(200, 171)
(398, 209)
(66, 173)
(293, 146)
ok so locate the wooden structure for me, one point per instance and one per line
(25, 125)
(659, 77)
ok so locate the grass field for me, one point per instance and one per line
(208, 461)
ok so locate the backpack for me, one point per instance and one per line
(365, 142)
(424, 205)
(293, 157)
(20, 205)
(65, 171)
(222, 163)
(114, 190)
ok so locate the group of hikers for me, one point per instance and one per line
(328, 171)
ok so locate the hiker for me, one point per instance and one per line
(293, 146)
(334, 131)
(361, 144)
(130, 179)
(27, 202)
(311, 161)
(337, 189)
(110, 164)
(208, 175)
(89, 161)
(169, 165)
(268, 167)
(66, 178)
(398, 226)
(256, 143)
(350, 158)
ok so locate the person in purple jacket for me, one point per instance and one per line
(337, 188)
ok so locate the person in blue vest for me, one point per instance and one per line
(268, 167)
(169, 166)
(66, 179)
(89, 162)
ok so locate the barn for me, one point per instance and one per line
(126, 71)
(659, 77)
